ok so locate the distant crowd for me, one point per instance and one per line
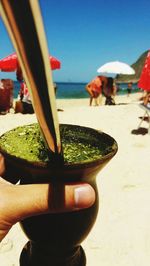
(105, 86)
(100, 86)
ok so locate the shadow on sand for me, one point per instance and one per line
(140, 131)
(122, 103)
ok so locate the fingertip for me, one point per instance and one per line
(84, 196)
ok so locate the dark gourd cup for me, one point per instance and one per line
(54, 239)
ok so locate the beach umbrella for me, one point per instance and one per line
(144, 81)
(116, 67)
(10, 63)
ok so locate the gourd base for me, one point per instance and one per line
(34, 254)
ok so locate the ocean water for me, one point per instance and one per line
(70, 90)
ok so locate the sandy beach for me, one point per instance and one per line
(121, 234)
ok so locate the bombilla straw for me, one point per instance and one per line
(24, 24)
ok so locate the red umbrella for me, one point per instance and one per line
(10, 63)
(144, 82)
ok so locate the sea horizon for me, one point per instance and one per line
(76, 90)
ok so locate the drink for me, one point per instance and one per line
(79, 146)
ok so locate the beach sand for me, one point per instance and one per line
(121, 234)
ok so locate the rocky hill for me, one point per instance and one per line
(137, 66)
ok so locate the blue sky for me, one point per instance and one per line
(85, 34)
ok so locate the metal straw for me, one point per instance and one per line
(24, 24)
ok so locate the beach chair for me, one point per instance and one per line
(6, 95)
(146, 115)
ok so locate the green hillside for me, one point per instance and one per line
(137, 66)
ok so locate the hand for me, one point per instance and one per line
(21, 201)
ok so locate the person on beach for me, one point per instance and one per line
(146, 99)
(109, 90)
(129, 88)
(102, 85)
(18, 202)
(94, 88)
(26, 99)
(6, 95)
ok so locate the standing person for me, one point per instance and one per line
(55, 87)
(146, 98)
(26, 99)
(109, 91)
(129, 88)
(94, 88)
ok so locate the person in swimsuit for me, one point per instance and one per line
(94, 88)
